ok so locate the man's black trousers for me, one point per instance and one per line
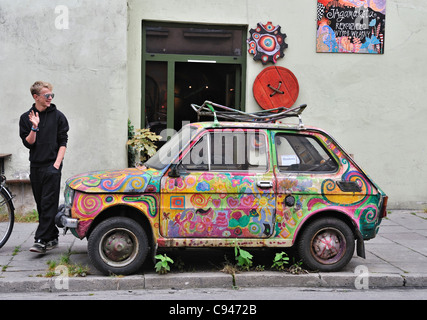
(46, 182)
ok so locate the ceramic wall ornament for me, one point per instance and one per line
(267, 43)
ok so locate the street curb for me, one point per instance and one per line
(415, 280)
(277, 279)
(59, 283)
(327, 280)
(182, 281)
(371, 281)
(188, 280)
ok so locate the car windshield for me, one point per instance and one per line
(170, 150)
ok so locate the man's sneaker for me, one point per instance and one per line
(39, 247)
(52, 244)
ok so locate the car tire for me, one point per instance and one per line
(118, 246)
(326, 244)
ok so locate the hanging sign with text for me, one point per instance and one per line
(351, 26)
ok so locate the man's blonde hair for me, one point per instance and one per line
(38, 86)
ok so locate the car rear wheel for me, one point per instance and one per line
(326, 244)
(118, 246)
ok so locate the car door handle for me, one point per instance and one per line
(349, 186)
(264, 184)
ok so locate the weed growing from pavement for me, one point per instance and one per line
(14, 253)
(162, 267)
(74, 270)
(16, 250)
(280, 260)
(280, 263)
(243, 257)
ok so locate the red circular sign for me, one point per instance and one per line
(275, 87)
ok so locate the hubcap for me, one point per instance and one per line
(118, 247)
(328, 246)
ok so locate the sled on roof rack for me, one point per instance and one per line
(216, 110)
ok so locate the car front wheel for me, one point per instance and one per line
(118, 246)
(327, 244)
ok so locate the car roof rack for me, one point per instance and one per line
(216, 110)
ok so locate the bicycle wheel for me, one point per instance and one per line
(7, 217)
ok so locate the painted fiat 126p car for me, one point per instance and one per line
(220, 184)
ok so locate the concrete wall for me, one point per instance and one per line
(87, 65)
(372, 104)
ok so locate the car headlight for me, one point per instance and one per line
(68, 196)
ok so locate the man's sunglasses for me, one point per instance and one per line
(48, 95)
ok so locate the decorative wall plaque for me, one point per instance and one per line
(267, 43)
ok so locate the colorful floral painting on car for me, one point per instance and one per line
(351, 26)
(217, 205)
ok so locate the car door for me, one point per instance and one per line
(306, 173)
(224, 188)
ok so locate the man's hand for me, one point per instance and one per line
(34, 118)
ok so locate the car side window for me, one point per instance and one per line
(197, 158)
(238, 150)
(228, 150)
(299, 153)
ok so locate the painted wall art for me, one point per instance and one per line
(267, 43)
(351, 26)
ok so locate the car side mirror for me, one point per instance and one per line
(173, 172)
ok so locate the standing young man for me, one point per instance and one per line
(44, 130)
